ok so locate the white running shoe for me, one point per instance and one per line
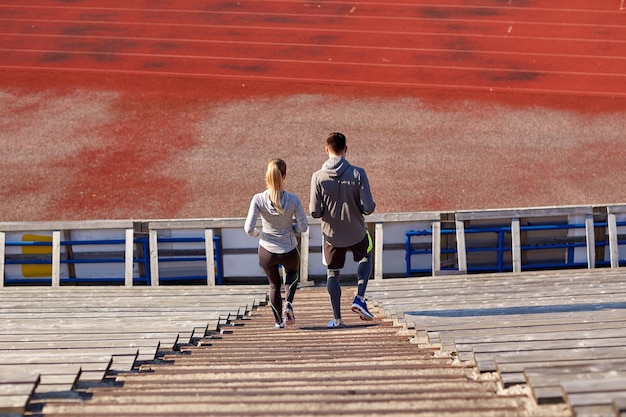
(336, 323)
(288, 317)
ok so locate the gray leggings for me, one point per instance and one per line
(364, 271)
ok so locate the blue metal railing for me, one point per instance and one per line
(501, 248)
(219, 268)
(104, 258)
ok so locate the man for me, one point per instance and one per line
(340, 196)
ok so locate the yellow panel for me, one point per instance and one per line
(36, 271)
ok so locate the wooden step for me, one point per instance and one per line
(74, 336)
(250, 368)
(16, 389)
(535, 329)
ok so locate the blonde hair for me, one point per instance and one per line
(276, 171)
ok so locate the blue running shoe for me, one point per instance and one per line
(360, 308)
(336, 324)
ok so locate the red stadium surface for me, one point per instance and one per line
(171, 109)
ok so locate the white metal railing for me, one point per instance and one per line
(387, 229)
(56, 228)
(612, 213)
(515, 215)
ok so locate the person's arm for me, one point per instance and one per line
(253, 214)
(367, 201)
(302, 223)
(315, 202)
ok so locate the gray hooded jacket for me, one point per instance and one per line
(340, 196)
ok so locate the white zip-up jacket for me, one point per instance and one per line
(278, 231)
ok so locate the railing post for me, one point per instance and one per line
(2, 257)
(613, 242)
(304, 256)
(209, 248)
(128, 257)
(56, 258)
(591, 242)
(516, 250)
(460, 246)
(154, 258)
(436, 247)
(378, 251)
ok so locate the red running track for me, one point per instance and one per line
(124, 109)
(522, 46)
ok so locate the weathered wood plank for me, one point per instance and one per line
(51, 357)
(17, 388)
(13, 404)
(65, 225)
(619, 406)
(593, 411)
(562, 355)
(524, 212)
(509, 323)
(606, 386)
(546, 381)
(597, 398)
(78, 345)
(546, 348)
(15, 391)
(19, 376)
(104, 329)
(7, 371)
(19, 383)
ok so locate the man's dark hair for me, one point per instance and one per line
(336, 142)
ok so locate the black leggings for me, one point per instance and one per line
(270, 263)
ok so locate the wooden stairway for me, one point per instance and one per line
(53, 340)
(250, 368)
(562, 334)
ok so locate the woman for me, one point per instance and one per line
(278, 245)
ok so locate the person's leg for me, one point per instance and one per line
(362, 254)
(266, 259)
(363, 272)
(291, 285)
(334, 258)
(291, 263)
(334, 290)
